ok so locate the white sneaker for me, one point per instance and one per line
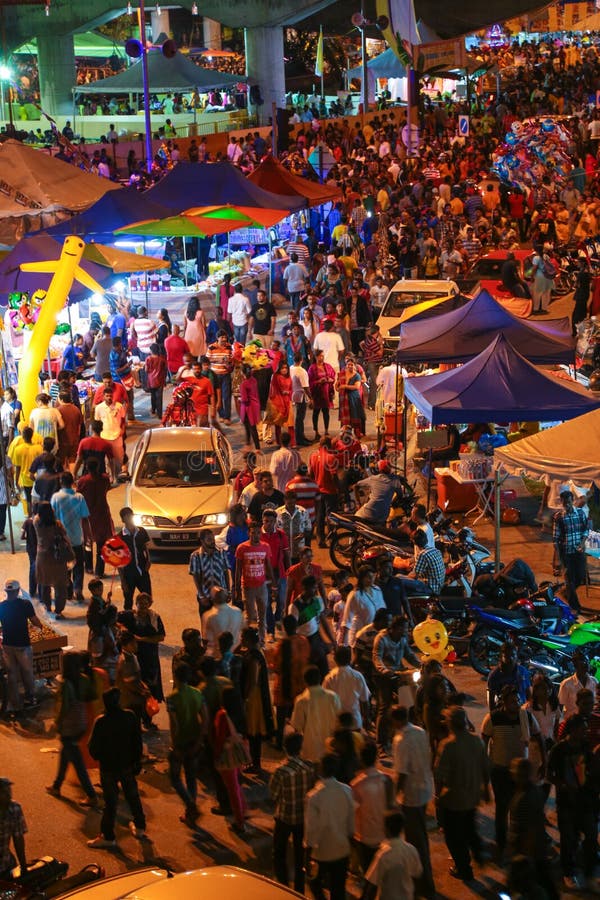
(573, 883)
(100, 843)
(138, 833)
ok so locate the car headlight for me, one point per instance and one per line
(143, 520)
(216, 519)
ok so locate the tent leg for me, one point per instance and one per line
(185, 278)
(270, 276)
(405, 441)
(497, 520)
(429, 461)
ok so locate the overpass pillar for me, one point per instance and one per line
(161, 24)
(264, 64)
(56, 65)
(211, 31)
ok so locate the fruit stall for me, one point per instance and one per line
(47, 647)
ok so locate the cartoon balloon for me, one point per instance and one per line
(431, 638)
(115, 552)
(548, 125)
(66, 270)
(510, 138)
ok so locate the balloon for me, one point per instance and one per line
(548, 125)
(431, 638)
(510, 138)
(66, 270)
(115, 552)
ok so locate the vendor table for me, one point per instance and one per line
(484, 505)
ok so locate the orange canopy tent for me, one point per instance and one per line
(270, 175)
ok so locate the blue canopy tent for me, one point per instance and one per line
(114, 210)
(497, 385)
(386, 65)
(214, 184)
(461, 334)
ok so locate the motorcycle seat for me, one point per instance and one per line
(451, 604)
(516, 615)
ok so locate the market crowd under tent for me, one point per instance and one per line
(461, 334)
(38, 191)
(164, 76)
(498, 385)
(213, 184)
(567, 452)
(271, 176)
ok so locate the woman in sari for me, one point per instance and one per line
(321, 380)
(352, 411)
(195, 328)
(297, 343)
(279, 407)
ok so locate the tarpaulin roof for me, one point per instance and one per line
(176, 74)
(565, 452)
(272, 176)
(115, 210)
(89, 45)
(385, 65)
(213, 184)
(32, 182)
(461, 334)
(499, 385)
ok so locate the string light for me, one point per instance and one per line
(129, 9)
(158, 9)
(194, 9)
(47, 10)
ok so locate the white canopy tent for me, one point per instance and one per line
(567, 452)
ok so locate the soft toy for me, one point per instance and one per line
(431, 638)
(255, 356)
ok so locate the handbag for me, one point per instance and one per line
(234, 754)
(62, 549)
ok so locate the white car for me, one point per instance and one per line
(215, 883)
(180, 484)
(405, 294)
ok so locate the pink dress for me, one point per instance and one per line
(195, 334)
(249, 401)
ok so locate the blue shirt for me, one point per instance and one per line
(497, 679)
(72, 358)
(236, 535)
(70, 508)
(119, 324)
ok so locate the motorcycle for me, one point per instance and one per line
(493, 626)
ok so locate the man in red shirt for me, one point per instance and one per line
(118, 391)
(253, 575)
(279, 558)
(203, 398)
(94, 447)
(306, 491)
(175, 347)
(296, 573)
(69, 436)
(323, 465)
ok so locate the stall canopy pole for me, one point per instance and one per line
(497, 519)
(404, 429)
(7, 486)
(147, 120)
(185, 280)
(270, 276)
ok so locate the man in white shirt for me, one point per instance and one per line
(414, 781)
(350, 686)
(294, 278)
(386, 380)
(45, 419)
(234, 151)
(328, 830)
(300, 398)
(222, 616)
(284, 463)
(112, 415)
(331, 344)
(315, 714)
(239, 309)
(396, 865)
(378, 293)
(361, 606)
(570, 687)
(374, 794)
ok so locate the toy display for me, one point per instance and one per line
(532, 150)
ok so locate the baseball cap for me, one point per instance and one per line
(383, 465)
(5, 782)
(12, 585)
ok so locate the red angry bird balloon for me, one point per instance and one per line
(115, 552)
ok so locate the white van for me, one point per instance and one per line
(406, 293)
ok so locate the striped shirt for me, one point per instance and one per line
(306, 491)
(431, 569)
(213, 568)
(220, 358)
(373, 349)
(145, 330)
(300, 249)
(70, 508)
(289, 785)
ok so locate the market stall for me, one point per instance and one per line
(47, 650)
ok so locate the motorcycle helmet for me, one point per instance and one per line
(183, 392)
(510, 516)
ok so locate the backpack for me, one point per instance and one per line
(548, 268)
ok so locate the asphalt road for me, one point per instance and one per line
(59, 827)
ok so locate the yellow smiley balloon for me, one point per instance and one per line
(431, 638)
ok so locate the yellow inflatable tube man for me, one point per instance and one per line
(66, 270)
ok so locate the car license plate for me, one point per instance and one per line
(176, 536)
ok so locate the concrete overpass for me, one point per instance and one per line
(262, 20)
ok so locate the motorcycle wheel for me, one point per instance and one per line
(342, 548)
(563, 284)
(483, 655)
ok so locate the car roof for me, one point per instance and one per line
(411, 285)
(503, 254)
(157, 439)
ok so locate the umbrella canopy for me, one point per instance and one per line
(176, 74)
(212, 184)
(97, 261)
(272, 176)
(499, 385)
(567, 452)
(112, 211)
(206, 221)
(89, 45)
(460, 335)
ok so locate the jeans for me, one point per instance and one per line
(334, 873)
(156, 401)
(19, 667)
(89, 560)
(372, 372)
(575, 575)
(575, 817)
(130, 581)
(110, 782)
(295, 300)
(415, 828)
(281, 836)
(76, 585)
(329, 503)
(223, 383)
(385, 700)
(70, 753)
(274, 615)
(282, 713)
(413, 586)
(300, 415)
(503, 787)
(3, 517)
(33, 585)
(462, 839)
(184, 759)
(240, 333)
(256, 600)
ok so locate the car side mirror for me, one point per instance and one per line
(234, 474)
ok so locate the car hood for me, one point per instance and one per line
(175, 502)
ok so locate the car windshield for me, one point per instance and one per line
(398, 301)
(183, 468)
(487, 268)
